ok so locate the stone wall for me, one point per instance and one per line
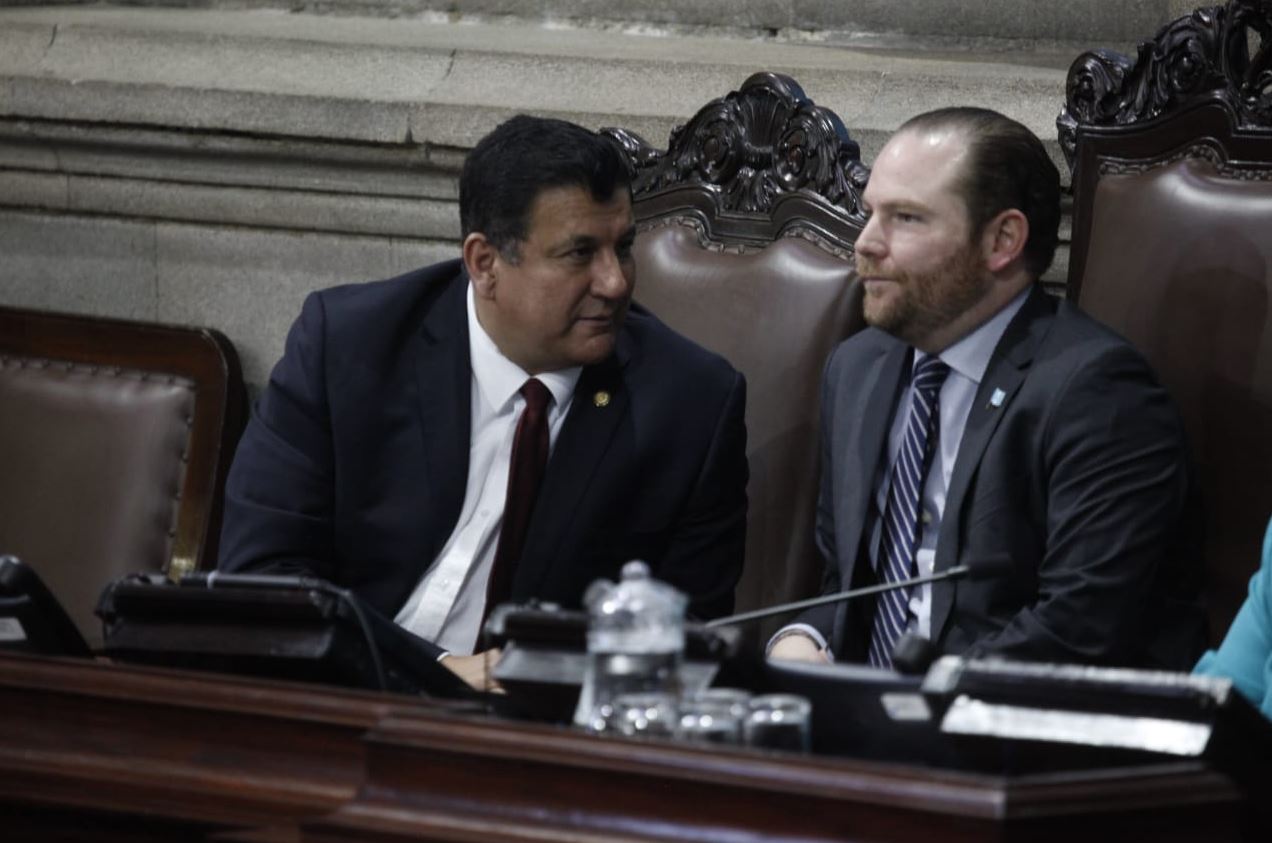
(213, 165)
(1079, 21)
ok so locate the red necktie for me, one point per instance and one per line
(525, 472)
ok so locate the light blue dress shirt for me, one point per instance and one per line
(1245, 656)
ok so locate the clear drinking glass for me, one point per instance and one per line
(645, 715)
(737, 699)
(707, 720)
(779, 721)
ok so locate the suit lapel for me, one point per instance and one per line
(1006, 371)
(874, 403)
(443, 373)
(600, 403)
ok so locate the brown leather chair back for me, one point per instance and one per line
(114, 442)
(747, 224)
(1171, 247)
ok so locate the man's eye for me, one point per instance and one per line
(903, 216)
(624, 251)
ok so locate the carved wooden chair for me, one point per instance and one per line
(114, 442)
(746, 230)
(1172, 180)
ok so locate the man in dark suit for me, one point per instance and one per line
(401, 447)
(981, 422)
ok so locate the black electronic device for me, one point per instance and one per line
(999, 716)
(866, 712)
(280, 627)
(31, 618)
(1084, 714)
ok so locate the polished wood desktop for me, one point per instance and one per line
(104, 752)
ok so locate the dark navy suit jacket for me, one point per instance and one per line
(1071, 500)
(353, 466)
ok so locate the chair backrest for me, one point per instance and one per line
(114, 442)
(1172, 247)
(746, 230)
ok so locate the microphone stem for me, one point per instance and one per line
(949, 573)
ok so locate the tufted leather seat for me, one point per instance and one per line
(746, 229)
(114, 438)
(1172, 203)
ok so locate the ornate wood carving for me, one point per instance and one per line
(751, 151)
(1206, 151)
(1204, 54)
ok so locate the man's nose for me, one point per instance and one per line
(870, 241)
(609, 277)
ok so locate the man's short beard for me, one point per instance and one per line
(926, 303)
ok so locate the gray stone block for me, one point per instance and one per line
(408, 171)
(36, 190)
(78, 264)
(23, 44)
(1076, 20)
(250, 284)
(265, 208)
(363, 91)
(153, 104)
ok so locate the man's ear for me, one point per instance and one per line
(480, 260)
(1004, 239)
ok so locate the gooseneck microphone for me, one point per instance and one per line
(757, 614)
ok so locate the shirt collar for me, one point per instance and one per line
(500, 379)
(970, 355)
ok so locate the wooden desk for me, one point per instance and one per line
(97, 752)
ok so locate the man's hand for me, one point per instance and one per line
(475, 669)
(798, 647)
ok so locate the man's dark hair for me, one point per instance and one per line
(1007, 167)
(523, 156)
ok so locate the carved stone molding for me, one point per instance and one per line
(753, 149)
(1205, 54)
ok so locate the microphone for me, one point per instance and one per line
(745, 617)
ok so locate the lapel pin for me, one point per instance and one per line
(601, 398)
(996, 400)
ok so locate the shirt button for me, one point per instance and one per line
(927, 517)
(485, 513)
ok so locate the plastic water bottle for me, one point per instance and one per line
(635, 643)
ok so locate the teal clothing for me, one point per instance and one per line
(1245, 656)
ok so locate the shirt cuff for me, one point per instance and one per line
(798, 629)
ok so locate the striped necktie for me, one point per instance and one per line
(901, 516)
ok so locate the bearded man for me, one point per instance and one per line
(981, 422)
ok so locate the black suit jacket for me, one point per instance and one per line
(1071, 501)
(353, 466)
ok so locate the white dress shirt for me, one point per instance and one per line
(447, 604)
(968, 358)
